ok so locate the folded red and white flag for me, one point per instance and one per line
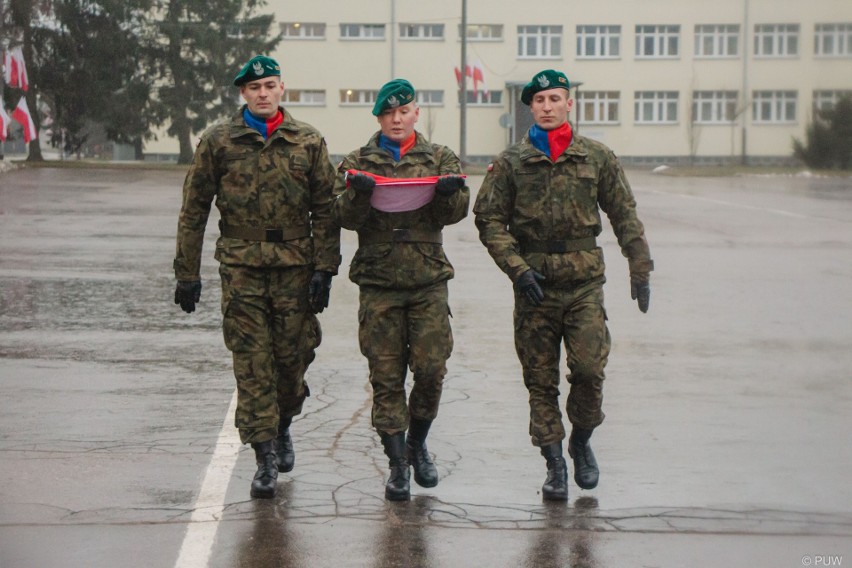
(394, 195)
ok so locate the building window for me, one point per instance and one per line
(714, 107)
(421, 31)
(430, 98)
(540, 42)
(484, 32)
(302, 30)
(601, 42)
(825, 100)
(833, 40)
(358, 97)
(362, 31)
(490, 98)
(304, 97)
(776, 40)
(717, 40)
(774, 106)
(598, 107)
(656, 107)
(657, 41)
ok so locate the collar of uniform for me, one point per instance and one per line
(420, 145)
(576, 149)
(240, 128)
(530, 152)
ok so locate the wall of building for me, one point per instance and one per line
(332, 64)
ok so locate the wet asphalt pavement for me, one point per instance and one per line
(729, 405)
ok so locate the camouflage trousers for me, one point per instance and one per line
(269, 328)
(398, 329)
(576, 318)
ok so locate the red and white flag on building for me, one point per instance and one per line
(4, 120)
(22, 115)
(477, 75)
(16, 71)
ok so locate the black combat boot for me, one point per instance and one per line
(555, 487)
(586, 472)
(263, 485)
(284, 446)
(425, 473)
(397, 487)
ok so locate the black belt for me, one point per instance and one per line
(556, 247)
(400, 236)
(265, 235)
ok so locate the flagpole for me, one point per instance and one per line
(393, 40)
(463, 94)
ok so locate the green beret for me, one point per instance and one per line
(258, 67)
(543, 81)
(393, 94)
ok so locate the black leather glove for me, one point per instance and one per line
(319, 290)
(640, 289)
(362, 184)
(187, 293)
(528, 284)
(448, 185)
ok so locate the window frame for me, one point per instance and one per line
(662, 36)
(825, 99)
(366, 97)
(841, 39)
(423, 94)
(602, 104)
(286, 101)
(777, 103)
(544, 36)
(603, 37)
(477, 99)
(421, 26)
(660, 102)
(361, 29)
(781, 36)
(480, 37)
(303, 26)
(724, 100)
(721, 36)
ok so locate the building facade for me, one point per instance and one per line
(659, 81)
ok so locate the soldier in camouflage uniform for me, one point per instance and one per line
(538, 214)
(402, 272)
(272, 181)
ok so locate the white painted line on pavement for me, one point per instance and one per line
(740, 205)
(207, 512)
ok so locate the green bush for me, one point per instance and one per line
(828, 139)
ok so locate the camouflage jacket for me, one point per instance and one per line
(525, 198)
(283, 182)
(401, 265)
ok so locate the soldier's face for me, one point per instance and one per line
(398, 123)
(263, 96)
(550, 108)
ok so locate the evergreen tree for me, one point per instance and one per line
(89, 71)
(828, 139)
(202, 44)
(841, 125)
(83, 66)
